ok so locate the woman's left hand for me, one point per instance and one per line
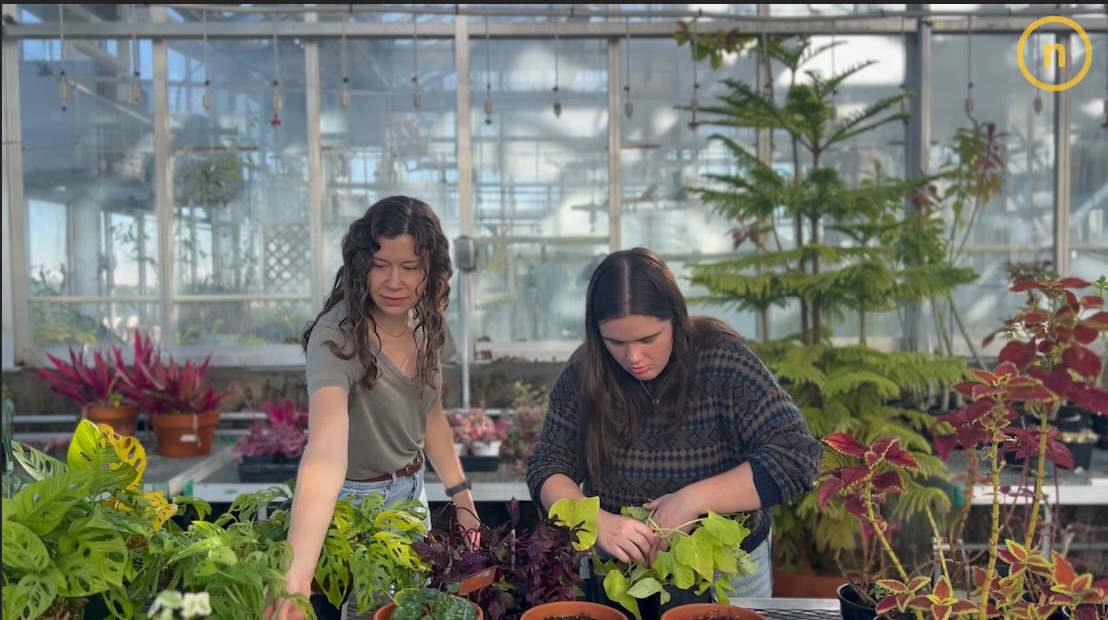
(470, 524)
(673, 511)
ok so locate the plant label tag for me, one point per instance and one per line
(190, 439)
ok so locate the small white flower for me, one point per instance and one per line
(197, 605)
(165, 604)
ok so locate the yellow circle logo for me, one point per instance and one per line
(1054, 19)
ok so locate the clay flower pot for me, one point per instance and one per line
(571, 609)
(185, 435)
(123, 419)
(385, 613)
(710, 611)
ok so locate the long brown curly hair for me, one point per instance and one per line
(389, 218)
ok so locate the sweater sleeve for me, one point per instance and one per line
(783, 454)
(561, 446)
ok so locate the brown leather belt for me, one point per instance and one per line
(407, 470)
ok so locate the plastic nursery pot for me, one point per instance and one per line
(385, 613)
(573, 609)
(710, 611)
(852, 606)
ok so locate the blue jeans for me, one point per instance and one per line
(396, 490)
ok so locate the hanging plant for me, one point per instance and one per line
(211, 181)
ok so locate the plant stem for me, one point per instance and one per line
(994, 536)
(938, 538)
(1033, 522)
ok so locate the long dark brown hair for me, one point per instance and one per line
(629, 282)
(389, 218)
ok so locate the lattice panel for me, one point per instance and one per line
(287, 258)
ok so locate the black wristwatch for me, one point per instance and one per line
(458, 488)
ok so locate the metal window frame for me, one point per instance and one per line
(921, 23)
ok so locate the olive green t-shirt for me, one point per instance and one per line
(388, 423)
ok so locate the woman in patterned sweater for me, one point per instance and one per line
(670, 412)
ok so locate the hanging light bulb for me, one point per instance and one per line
(417, 99)
(344, 97)
(628, 107)
(63, 90)
(969, 68)
(63, 81)
(276, 120)
(488, 75)
(557, 99)
(206, 100)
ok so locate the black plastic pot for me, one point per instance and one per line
(1073, 419)
(276, 469)
(1082, 455)
(852, 606)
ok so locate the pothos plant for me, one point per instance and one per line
(79, 529)
(706, 556)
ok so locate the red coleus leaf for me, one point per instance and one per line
(1082, 361)
(898, 457)
(845, 444)
(1071, 282)
(1018, 353)
(1012, 552)
(1064, 575)
(1059, 454)
(944, 445)
(829, 489)
(963, 607)
(1085, 334)
(1089, 397)
(855, 506)
(892, 585)
(888, 482)
(1098, 321)
(877, 451)
(943, 590)
(887, 605)
(1025, 285)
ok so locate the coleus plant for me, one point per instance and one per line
(1050, 366)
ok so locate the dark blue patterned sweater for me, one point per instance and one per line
(736, 412)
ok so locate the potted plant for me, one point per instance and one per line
(367, 550)
(512, 569)
(79, 529)
(522, 427)
(270, 451)
(1016, 578)
(92, 381)
(703, 554)
(428, 604)
(476, 431)
(182, 404)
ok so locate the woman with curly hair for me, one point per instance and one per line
(374, 379)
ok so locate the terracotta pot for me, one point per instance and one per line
(123, 419)
(573, 608)
(695, 611)
(787, 584)
(185, 435)
(385, 613)
(476, 581)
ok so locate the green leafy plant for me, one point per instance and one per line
(830, 246)
(79, 529)
(367, 548)
(708, 555)
(431, 604)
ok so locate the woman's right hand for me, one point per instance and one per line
(624, 538)
(286, 609)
